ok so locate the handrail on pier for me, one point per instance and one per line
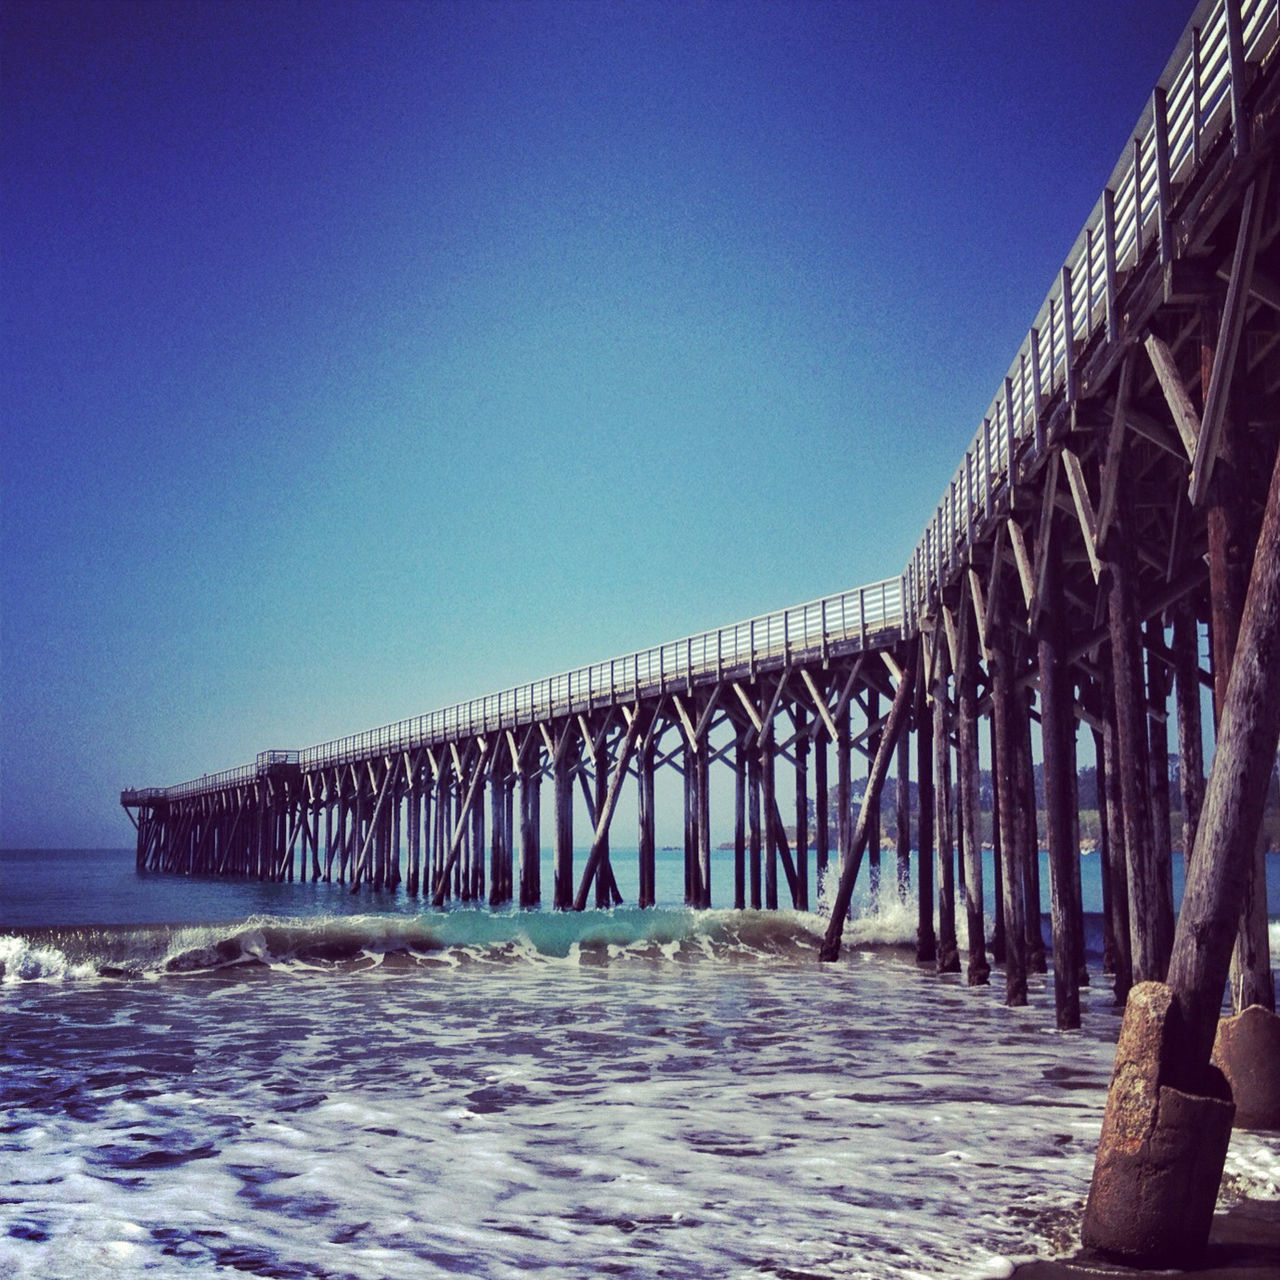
(855, 617)
(1191, 109)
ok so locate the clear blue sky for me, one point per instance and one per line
(359, 358)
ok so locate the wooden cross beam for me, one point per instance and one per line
(783, 680)
(819, 702)
(387, 787)
(979, 605)
(749, 707)
(1184, 413)
(1084, 510)
(1114, 449)
(1018, 542)
(686, 720)
(1224, 356)
(596, 857)
(871, 797)
(460, 824)
(1044, 537)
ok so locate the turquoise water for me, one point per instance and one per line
(210, 1077)
(101, 886)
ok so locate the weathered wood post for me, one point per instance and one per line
(802, 808)
(415, 833)
(702, 825)
(948, 951)
(1186, 657)
(1007, 736)
(690, 781)
(740, 750)
(509, 823)
(531, 823)
(1150, 909)
(1168, 1117)
(1057, 733)
(979, 971)
(753, 825)
(926, 940)
(821, 816)
(500, 780)
(1232, 520)
(1159, 685)
(844, 788)
(1027, 856)
(1104, 854)
(999, 930)
(563, 766)
(600, 777)
(645, 815)
(873, 819)
(1118, 877)
(768, 799)
(902, 816)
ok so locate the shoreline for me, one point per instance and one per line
(1244, 1244)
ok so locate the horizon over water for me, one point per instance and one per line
(294, 1080)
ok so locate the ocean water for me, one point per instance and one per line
(204, 1077)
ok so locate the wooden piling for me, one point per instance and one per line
(753, 825)
(1150, 910)
(802, 809)
(740, 821)
(1057, 734)
(1186, 657)
(979, 971)
(1232, 520)
(768, 801)
(902, 818)
(1027, 854)
(948, 953)
(564, 765)
(645, 816)
(873, 819)
(530, 824)
(1222, 865)
(926, 939)
(821, 816)
(1116, 866)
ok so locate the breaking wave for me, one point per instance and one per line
(453, 939)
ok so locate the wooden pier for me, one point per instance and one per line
(1095, 540)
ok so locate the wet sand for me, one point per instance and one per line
(1243, 1245)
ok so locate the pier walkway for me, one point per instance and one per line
(1095, 538)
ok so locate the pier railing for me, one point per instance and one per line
(1193, 106)
(859, 618)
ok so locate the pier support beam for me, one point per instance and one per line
(821, 816)
(802, 810)
(564, 764)
(1150, 909)
(1234, 501)
(1168, 1118)
(1186, 656)
(530, 822)
(948, 951)
(926, 939)
(1057, 732)
(645, 837)
(979, 971)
